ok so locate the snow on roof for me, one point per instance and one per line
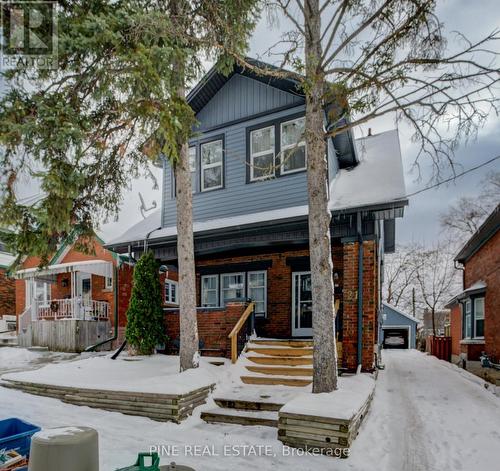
(6, 259)
(395, 309)
(378, 178)
(477, 286)
(140, 230)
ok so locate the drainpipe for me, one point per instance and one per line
(360, 291)
(115, 299)
(147, 237)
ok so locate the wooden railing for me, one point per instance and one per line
(73, 308)
(236, 329)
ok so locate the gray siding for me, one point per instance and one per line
(240, 98)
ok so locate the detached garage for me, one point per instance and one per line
(398, 329)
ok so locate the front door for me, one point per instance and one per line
(301, 304)
(84, 288)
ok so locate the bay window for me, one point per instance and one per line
(293, 146)
(262, 153)
(479, 317)
(212, 165)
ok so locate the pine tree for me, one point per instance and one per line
(145, 313)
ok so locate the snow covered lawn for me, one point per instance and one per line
(155, 374)
(425, 415)
(18, 359)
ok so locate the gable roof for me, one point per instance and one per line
(485, 232)
(402, 313)
(214, 80)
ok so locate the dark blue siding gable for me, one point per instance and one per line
(242, 97)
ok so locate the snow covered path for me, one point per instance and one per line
(426, 415)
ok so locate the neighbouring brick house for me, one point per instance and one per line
(250, 207)
(7, 288)
(475, 312)
(74, 286)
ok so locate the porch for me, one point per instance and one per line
(78, 295)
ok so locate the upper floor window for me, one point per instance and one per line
(479, 317)
(171, 292)
(262, 153)
(212, 165)
(192, 159)
(293, 146)
(108, 282)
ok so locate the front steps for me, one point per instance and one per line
(286, 362)
(272, 363)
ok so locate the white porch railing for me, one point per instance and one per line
(73, 308)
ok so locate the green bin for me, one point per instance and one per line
(152, 459)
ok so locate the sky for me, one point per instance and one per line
(421, 220)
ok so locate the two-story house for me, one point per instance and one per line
(250, 208)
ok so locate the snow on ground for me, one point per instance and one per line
(20, 359)
(154, 374)
(424, 416)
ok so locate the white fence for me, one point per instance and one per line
(73, 308)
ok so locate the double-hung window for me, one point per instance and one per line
(293, 146)
(210, 290)
(232, 286)
(468, 320)
(212, 165)
(171, 292)
(257, 291)
(108, 282)
(479, 317)
(262, 164)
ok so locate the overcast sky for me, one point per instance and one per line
(421, 222)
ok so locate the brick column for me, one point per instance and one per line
(350, 303)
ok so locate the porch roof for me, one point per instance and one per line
(94, 267)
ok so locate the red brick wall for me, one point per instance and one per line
(456, 329)
(214, 326)
(7, 294)
(485, 266)
(370, 302)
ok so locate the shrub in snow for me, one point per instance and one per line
(145, 314)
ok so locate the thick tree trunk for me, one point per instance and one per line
(188, 351)
(325, 349)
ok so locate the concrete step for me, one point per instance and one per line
(240, 404)
(283, 343)
(275, 380)
(280, 370)
(285, 351)
(281, 360)
(241, 417)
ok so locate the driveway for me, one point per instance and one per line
(429, 415)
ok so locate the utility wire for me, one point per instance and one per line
(454, 177)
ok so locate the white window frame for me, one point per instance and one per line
(222, 289)
(256, 272)
(283, 148)
(192, 168)
(476, 318)
(216, 289)
(203, 166)
(171, 299)
(261, 153)
(31, 292)
(108, 282)
(468, 319)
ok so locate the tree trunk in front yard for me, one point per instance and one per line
(188, 351)
(325, 349)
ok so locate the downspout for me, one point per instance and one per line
(360, 291)
(115, 299)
